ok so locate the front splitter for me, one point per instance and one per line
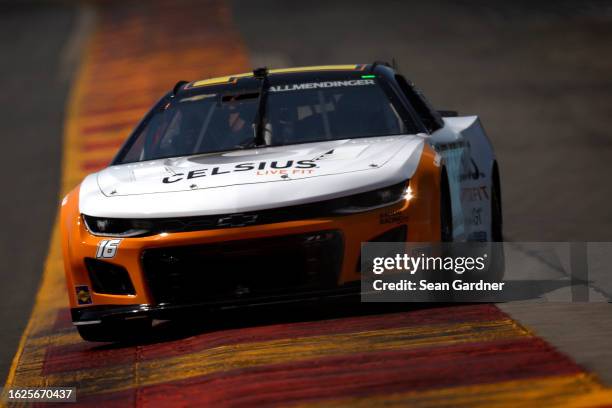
(165, 311)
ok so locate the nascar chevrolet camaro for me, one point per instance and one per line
(260, 188)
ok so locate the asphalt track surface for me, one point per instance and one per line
(538, 77)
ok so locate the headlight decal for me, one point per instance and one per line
(376, 199)
(116, 227)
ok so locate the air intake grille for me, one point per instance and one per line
(107, 278)
(244, 269)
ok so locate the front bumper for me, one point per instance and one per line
(148, 298)
(103, 313)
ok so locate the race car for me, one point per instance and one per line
(260, 188)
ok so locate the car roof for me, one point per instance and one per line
(290, 74)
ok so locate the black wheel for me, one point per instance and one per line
(446, 210)
(446, 236)
(497, 263)
(497, 234)
(116, 331)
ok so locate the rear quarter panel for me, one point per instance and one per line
(469, 158)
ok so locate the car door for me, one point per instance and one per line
(467, 156)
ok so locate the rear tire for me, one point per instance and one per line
(497, 233)
(116, 331)
(498, 259)
(446, 236)
(446, 210)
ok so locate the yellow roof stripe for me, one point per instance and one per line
(220, 80)
(233, 78)
(316, 68)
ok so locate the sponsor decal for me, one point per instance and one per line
(320, 85)
(393, 217)
(263, 168)
(474, 194)
(478, 236)
(471, 172)
(475, 218)
(107, 248)
(83, 295)
(324, 155)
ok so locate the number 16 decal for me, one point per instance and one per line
(107, 248)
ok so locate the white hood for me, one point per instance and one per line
(248, 180)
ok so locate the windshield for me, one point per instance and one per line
(295, 113)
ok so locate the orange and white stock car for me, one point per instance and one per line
(260, 187)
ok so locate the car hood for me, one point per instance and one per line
(248, 180)
(272, 164)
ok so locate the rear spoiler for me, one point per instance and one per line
(448, 113)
